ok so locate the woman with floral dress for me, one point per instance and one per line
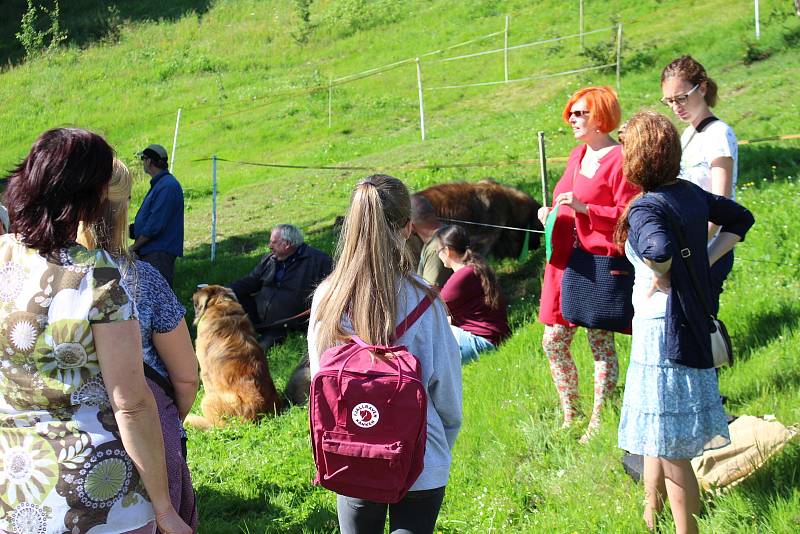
(78, 450)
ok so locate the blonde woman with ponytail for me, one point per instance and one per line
(477, 307)
(371, 289)
(169, 359)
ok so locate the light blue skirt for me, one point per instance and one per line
(668, 410)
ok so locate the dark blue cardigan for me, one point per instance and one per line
(651, 235)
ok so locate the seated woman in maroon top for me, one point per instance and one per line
(477, 307)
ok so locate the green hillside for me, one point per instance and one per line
(252, 79)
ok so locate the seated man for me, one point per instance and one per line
(278, 291)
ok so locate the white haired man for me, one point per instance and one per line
(278, 290)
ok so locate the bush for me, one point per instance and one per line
(601, 54)
(791, 37)
(111, 25)
(754, 52)
(304, 27)
(32, 37)
(638, 61)
(351, 16)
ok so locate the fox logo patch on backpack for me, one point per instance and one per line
(368, 415)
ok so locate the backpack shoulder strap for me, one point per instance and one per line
(162, 381)
(412, 317)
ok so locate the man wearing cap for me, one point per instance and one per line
(158, 226)
(277, 293)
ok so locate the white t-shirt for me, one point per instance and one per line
(717, 140)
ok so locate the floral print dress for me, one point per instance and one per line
(63, 468)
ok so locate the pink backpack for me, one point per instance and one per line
(369, 418)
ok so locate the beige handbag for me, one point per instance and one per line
(753, 442)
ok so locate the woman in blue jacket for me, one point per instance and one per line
(671, 408)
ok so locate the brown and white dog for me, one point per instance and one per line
(233, 367)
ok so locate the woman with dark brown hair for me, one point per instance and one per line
(78, 444)
(671, 410)
(477, 308)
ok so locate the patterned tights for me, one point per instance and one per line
(556, 341)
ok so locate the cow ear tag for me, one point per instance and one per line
(549, 223)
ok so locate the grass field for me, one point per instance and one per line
(252, 79)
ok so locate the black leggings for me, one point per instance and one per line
(415, 514)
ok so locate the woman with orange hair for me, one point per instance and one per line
(589, 198)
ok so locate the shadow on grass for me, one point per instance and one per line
(222, 512)
(761, 162)
(521, 284)
(89, 21)
(765, 327)
(776, 481)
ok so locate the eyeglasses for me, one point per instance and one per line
(578, 113)
(681, 100)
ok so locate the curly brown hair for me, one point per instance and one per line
(651, 157)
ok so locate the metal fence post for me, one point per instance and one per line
(214, 208)
(175, 140)
(619, 52)
(543, 168)
(330, 99)
(758, 22)
(421, 101)
(505, 51)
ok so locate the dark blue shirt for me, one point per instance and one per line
(652, 237)
(161, 216)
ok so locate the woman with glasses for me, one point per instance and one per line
(590, 197)
(710, 152)
(474, 301)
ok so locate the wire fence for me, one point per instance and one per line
(271, 97)
(540, 161)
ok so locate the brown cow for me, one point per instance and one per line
(487, 202)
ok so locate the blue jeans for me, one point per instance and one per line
(469, 344)
(415, 514)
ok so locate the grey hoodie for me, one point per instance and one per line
(431, 341)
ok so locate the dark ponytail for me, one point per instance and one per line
(456, 238)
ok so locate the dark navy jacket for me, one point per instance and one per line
(687, 324)
(161, 216)
(278, 299)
